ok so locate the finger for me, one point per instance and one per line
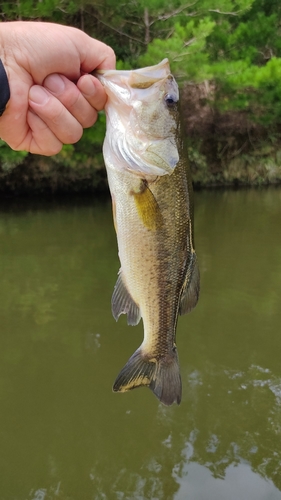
(107, 58)
(70, 96)
(93, 91)
(59, 120)
(41, 139)
(96, 54)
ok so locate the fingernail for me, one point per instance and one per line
(38, 95)
(55, 84)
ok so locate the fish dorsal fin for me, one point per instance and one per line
(122, 303)
(191, 288)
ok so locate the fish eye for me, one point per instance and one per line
(170, 100)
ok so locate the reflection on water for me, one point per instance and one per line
(64, 434)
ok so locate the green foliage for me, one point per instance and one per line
(234, 46)
(34, 9)
(88, 151)
(9, 159)
(185, 50)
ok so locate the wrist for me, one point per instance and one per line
(11, 50)
(4, 82)
(4, 89)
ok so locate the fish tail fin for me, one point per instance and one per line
(161, 376)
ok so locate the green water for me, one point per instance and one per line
(64, 434)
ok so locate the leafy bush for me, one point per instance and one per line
(233, 46)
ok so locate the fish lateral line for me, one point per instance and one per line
(114, 212)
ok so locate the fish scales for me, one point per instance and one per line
(153, 216)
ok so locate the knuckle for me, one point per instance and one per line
(72, 98)
(55, 113)
(90, 120)
(53, 149)
(73, 135)
(47, 147)
(111, 53)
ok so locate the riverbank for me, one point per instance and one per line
(224, 149)
(228, 148)
(36, 175)
(46, 176)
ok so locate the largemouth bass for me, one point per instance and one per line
(151, 194)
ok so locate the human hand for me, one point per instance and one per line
(53, 96)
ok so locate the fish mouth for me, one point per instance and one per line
(136, 102)
(123, 82)
(159, 71)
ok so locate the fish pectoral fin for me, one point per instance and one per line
(122, 303)
(161, 376)
(191, 289)
(147, 207)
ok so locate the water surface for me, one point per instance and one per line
(64, 434)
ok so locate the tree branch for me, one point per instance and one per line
(225, 13)
(186, 44)
(164, 17)
(119, 31)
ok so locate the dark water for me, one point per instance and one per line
(64, 434)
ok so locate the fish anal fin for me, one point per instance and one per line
(147, 207)
(122, 303)
(191, 289)
(161, 376)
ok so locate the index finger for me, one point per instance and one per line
(93, 91)
(97, 55)
(108, 60)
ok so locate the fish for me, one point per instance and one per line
(151, 190)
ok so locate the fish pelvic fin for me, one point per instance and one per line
(122, 303)
(162, 376)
